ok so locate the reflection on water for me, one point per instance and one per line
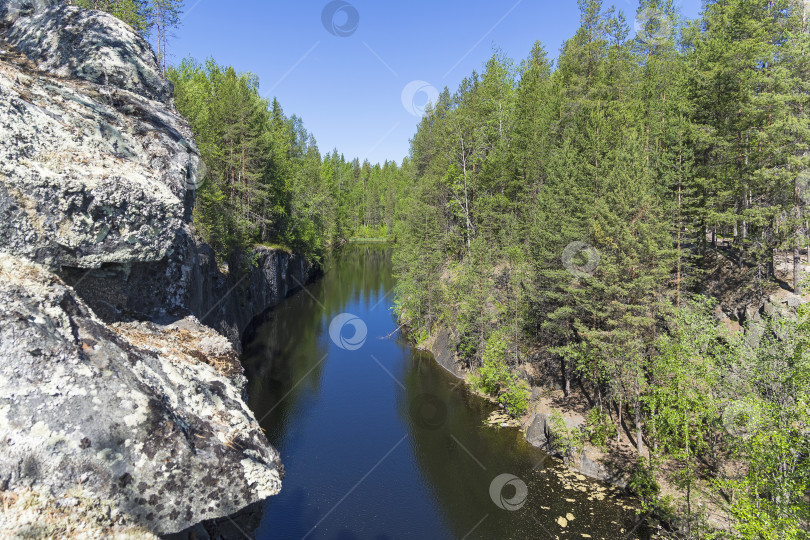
(379, 442)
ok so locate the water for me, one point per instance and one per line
(380, 442)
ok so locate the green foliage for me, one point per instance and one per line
(643, 483)
(496, 379)
(515, 397)
(568, 441)
(266, 182)
(133, 12)
(381, 231)
(648, 156)
(566, 212)
(599, 428)
(493, 375)
(771, 495)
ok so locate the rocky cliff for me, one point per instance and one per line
(189, 280)
(115, 391)
(147, 416)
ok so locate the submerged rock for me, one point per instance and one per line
(501, 419)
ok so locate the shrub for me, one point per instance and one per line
(495, 378)
(644, 484)
(567, 441)
(599, 428)
(516, 397)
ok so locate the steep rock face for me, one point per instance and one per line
(97, 177)
(83, 44)
(238, 299)
(109, 384)
(90, 173)
(189, 280)
(443, 353)
(127, 413)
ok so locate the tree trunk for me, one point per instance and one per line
(797, 265)
(797, 238)
(599, 396)
(567, 378)
(639, 437)
(654, 434)
(680, 226)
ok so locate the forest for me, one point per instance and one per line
(572, 220)
(266, 181)
(581, 220)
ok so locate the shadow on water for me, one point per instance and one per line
(380, 442)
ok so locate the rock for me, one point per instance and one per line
(97, 178)
(67, 502)
(108, 379)
(188, 281)
(32, 514)
(589, 461)
(754, 332)
(781, 305)
(230, 303)
(539, 432)
(90, 174)
(127, 412)
(240, 525)
(500, 419)
(752, 313)
(592, 465)
(444, 354)
(76, 43)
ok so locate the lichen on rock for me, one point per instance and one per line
(93, 170)
(112, 392)
(128, 412)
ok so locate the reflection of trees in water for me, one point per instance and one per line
(460, 485)
(292, 342)
(290, 346)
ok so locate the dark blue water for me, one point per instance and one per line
(379, 442)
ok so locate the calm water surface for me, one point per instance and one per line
(379, 442)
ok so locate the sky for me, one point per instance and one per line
(358, 72)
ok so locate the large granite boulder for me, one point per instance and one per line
(148, 417)
(83, 44)
(95, 163)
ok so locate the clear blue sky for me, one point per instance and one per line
(348, 89)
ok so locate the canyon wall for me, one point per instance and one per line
(120, 385)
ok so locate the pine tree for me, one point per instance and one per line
(164, 16)
(133, 12)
